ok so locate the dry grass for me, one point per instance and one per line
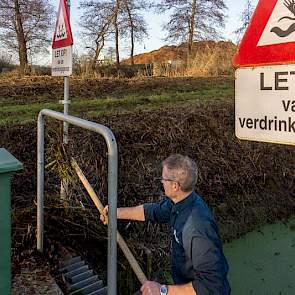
(209, 59)
(211, 62)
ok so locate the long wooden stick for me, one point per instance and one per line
(128, 254)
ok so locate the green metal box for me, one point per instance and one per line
(8, 165)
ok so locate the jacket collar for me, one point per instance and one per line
(185, 203)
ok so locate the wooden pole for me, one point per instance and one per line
(128, 254)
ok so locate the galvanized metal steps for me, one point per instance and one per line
(81, 279)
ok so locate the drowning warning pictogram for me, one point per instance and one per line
(270, 37)
(63, 33)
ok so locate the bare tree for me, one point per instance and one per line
(24, 27)
(134, 24)
(111, 20)
(192, 20)
(244, 19)
(100, 21)
(96, 23)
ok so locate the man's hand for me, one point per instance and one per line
(104, 215)
(150, 288)
(128, 213)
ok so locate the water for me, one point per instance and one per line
(263, 262)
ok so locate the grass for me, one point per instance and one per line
(13, 112)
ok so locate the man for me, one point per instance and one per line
(198, 264)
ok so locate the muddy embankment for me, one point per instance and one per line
(245, 183)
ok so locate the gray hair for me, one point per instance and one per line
(183, 170)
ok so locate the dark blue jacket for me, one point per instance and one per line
(197, 254)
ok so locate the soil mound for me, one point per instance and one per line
(172, 53)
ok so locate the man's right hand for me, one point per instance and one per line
(104, 215)
(128, 213)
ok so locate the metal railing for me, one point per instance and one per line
(112, 186)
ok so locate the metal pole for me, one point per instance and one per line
(112, 202)
(112, 186)
(66, 101)
(40, 182)
(66, 104)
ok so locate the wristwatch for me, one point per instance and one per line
(163, 290)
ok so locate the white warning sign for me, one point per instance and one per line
(62, 64)
(265, 104)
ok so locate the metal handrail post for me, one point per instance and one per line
(40, 183)
(112, 186)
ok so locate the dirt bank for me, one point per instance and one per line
(239, 179)
(245, 183)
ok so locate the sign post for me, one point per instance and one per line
(62, 62)
(67, 101)
(62, 59)
(265, 78)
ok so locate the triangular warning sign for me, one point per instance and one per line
(63, 33)
(270, 37)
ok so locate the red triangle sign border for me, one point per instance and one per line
(249, 54)
(69, 40)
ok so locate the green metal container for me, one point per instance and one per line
(8, 165)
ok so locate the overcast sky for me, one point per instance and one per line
(155, 22)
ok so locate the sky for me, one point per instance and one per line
(155, 22)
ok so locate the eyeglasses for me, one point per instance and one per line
(167, 179)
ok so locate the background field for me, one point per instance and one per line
(22, 99)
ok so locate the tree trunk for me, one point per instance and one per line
(131, 33)
(132, 46)
(117, 45)
(99, 46)
(22, 45)
(117, 33)
(191, 30)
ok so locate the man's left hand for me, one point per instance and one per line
(150, 288)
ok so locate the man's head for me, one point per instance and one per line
(179, 176)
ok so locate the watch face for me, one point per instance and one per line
(163, 290)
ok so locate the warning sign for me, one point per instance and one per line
(270, 37)
(63, 33)
(62, 61)
(265, 78)
(62, 56)
(265, 104)
(280, 27)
